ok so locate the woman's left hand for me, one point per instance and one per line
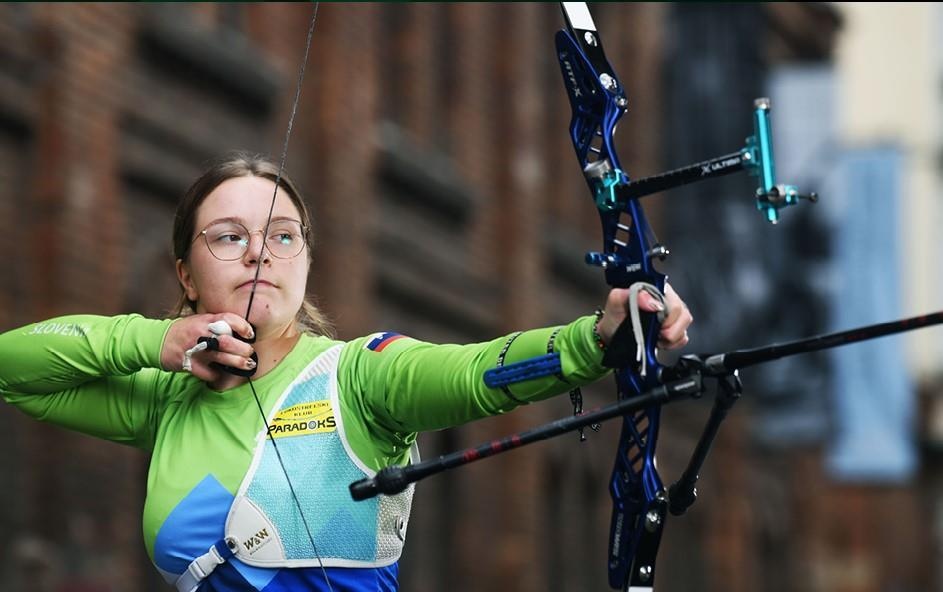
(674, 329)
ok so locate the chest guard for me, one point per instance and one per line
(264, 527)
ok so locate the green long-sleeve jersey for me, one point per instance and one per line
(101, 376)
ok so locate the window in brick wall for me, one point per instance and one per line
(420, 246)
(193, 93)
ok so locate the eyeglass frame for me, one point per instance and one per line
(249, 233)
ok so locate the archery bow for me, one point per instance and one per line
(598, 101)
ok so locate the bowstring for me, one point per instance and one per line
(255, 282)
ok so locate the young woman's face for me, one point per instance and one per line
(224, 257)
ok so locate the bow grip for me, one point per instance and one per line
(621, 348)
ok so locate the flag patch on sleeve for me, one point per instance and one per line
(378, 341)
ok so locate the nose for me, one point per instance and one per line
(255, 249)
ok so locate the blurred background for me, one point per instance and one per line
(431, 142)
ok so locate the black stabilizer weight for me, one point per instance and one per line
(389, 481)
(681, 496)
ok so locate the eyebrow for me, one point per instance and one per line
(242, 222)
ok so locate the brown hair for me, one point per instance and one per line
(240, 164)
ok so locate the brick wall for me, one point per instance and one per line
(431, 144)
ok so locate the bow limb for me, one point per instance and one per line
(598, 101)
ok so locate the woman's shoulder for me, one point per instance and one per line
(312, 346)
(319, 343)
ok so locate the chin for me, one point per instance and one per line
(258, 316)
(262, 318)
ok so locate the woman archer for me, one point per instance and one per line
(247, 482)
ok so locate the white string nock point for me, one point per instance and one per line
(220, 328)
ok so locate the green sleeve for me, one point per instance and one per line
(86, 373)
(412, 386)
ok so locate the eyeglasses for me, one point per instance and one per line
(229, 241)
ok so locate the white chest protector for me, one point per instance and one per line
(264, 527)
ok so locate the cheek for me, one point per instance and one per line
(299, 273)
(205, 273)
(211, 278)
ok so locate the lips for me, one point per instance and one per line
(261, 283)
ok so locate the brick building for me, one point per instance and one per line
(431, 144)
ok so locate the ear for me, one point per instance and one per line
(186, 281)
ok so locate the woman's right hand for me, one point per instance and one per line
(185, 333)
